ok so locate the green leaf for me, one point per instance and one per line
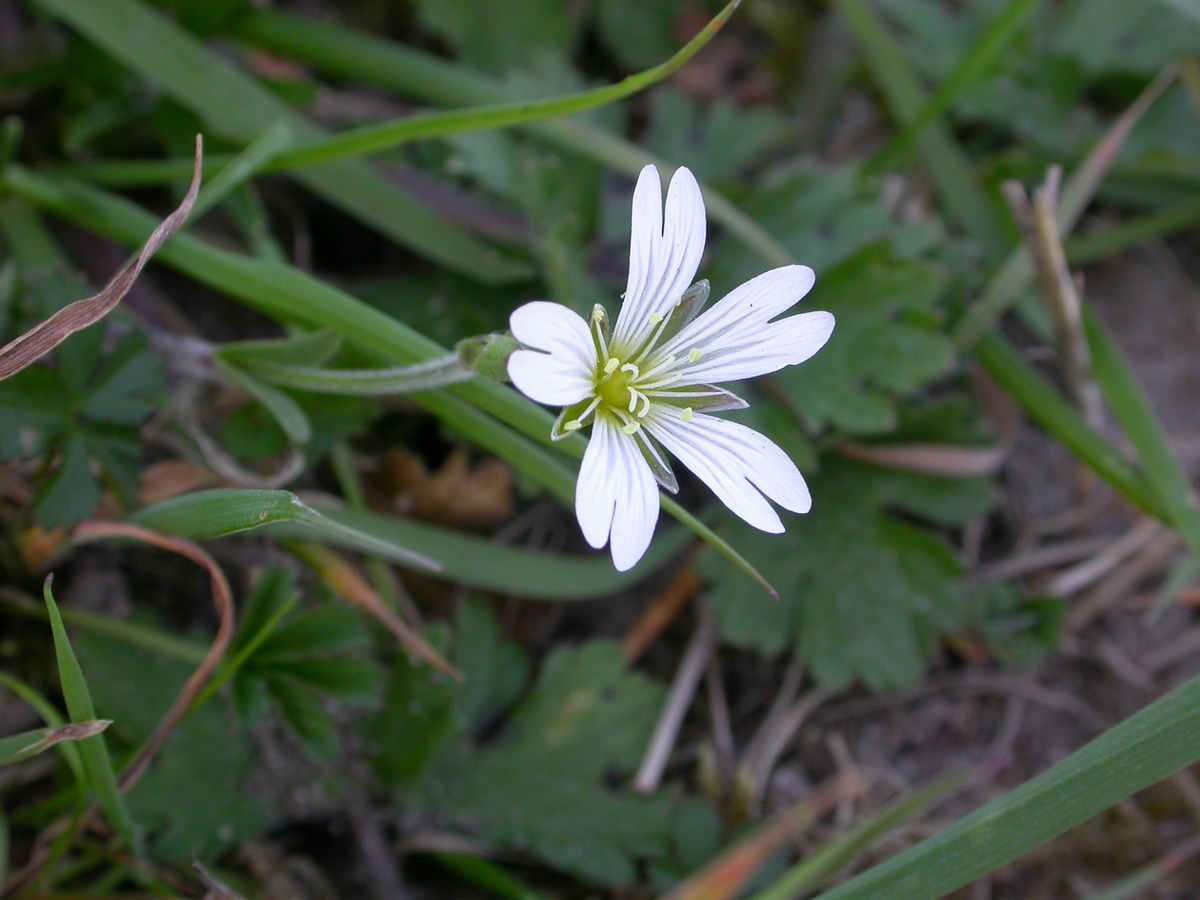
(882, 347)
(97, 764)
(1149, 746)
(70, 493)
(863, 593)
(200, 796)
(1114, 36)
(502, 34)
(540, 787)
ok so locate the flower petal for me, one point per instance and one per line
(616, 496)
(549, 378)
(736, 338)
(736, 462)
(664, 251)
(557, 330)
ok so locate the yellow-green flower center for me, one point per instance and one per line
(613, 388)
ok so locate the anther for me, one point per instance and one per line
(632, 428)
(573, 425)
(694, 355)
(611, 365)
(655, 318)
(686, 415)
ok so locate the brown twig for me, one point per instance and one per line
(222, 602)
(44, 337)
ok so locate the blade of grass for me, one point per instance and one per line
(349, 54)
(1149, 746)
(293, 296)
(1046, 406)
(239, 169)
(829, 859)
(486, 874)
(1150, 875)
(1131, 406)
(20, 747)
(234, 105)
(375, 138)
(97, 764)
(1084, 249)
(1000, 33)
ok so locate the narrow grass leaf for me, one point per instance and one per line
(349, 54)
(97, 764)
(827, 860)
(206, 515)
(1146, 748)
(1138, 883)
(1044, 404)
(20, 747)
(243, 166)
(1131, 406)
(236, 106)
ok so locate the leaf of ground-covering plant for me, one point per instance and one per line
(863, 593)
(653, 37)
(822, 215)
(544, 783)
(1108, 36)
(311, 657)
(196, 800)
(715, 143)
(502, 34)
(887, 343)
(82, 406)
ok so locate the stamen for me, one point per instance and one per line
(662, 382)
(686, 415)
(632, 428)
(573, 425)
(662, 364)
(611, 365)
(583, 415)
(694, 355)
(655, 318)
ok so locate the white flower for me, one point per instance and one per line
(643, 387)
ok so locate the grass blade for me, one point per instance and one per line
(348, 54)
(1151, 745)
(1131, 406)
(810, 872)
(236, 106)
(97, 764)
(51, 717)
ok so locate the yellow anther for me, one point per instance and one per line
(573, 425)
(611, 365)
(655, 318)
(686, 415)
(632, 428)
(694, 355)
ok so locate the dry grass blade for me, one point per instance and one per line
(342, 577)
(222, 600)
(44, 337)
(943, 460)
(727, 876)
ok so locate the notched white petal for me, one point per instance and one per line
(557, 330)
(665, 251)
(616, 499)
(737, 463)
(548, 378)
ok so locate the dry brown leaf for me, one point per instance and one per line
(476, 497)
(44, 337)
